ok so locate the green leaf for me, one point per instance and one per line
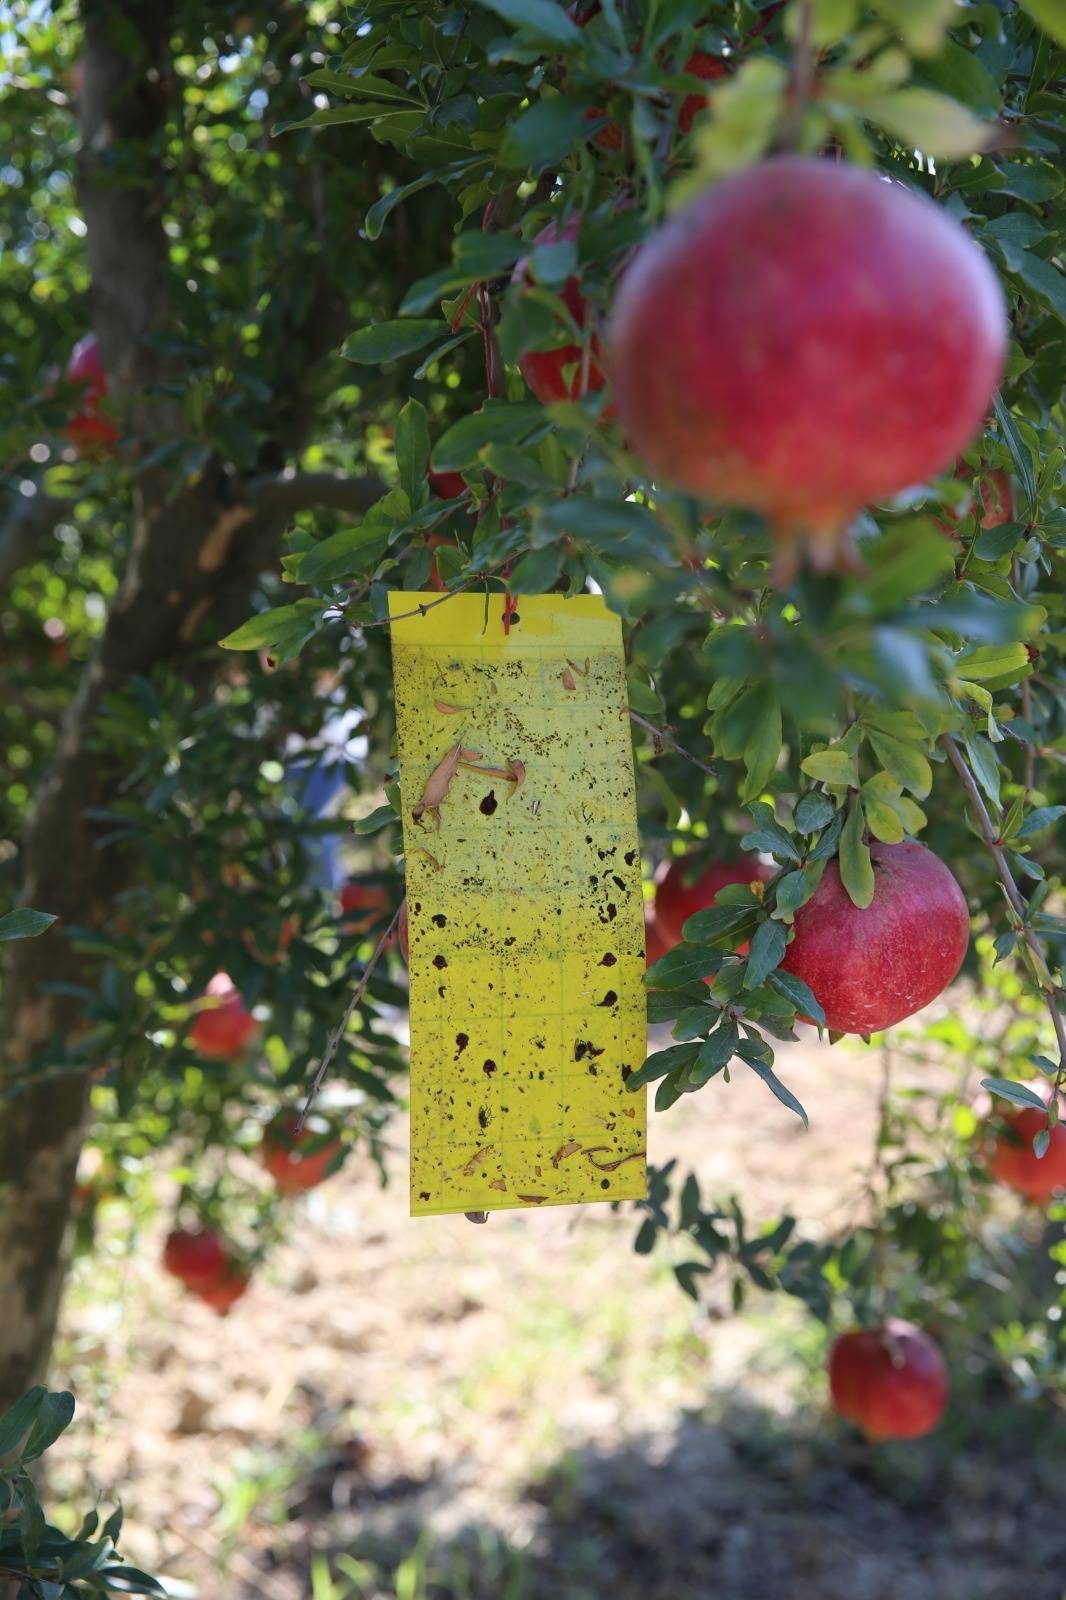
(541, 19)
(902, 761)
(856, 869)
(642, 697)
(797, 992)
(773, 1082)
(832, 766)
(767, 949)
(385, 341)
(685, 963)
(993, 661)
(882, 819)
(330, 118)
(1017, 1093)
(412, 449)
(344, 555)
(283, 630)
(661, 1063)
(53, 1416)
(17, 1421)
(716, 1051)
(693, 1021)
(1020, 456)
(537, 571)
(1035, 822)
(31, 1520)
(1049, 15)
(776, 843)
(719, 924)
(379, 818)
(985, 766)
(377, 214)
(24, 924)
(1041, 1142)
(793, 891)
(928, 121)
(993, 543)
(921, 24)
(365, 86)
(498, 421)
(813, 812)
(545, 133)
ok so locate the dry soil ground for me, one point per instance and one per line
(527, 1411)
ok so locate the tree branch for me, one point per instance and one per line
(1010, 888)
(282, 494)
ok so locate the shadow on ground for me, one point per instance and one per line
(741, 1508)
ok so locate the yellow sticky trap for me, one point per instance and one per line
(524, 903)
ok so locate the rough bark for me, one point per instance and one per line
(195, 555)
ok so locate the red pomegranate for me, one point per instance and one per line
(543, 370)
(656, 944)
(701, 65)
(88, 430)
(225, 1290)
(223, 1030)
(802, 339)
(1009, 1135)
(447, 485)
(300, 1161)
(434, 542)
(893, 1381)
(872, 968)
(401, 933)
(195, 1256)
(995, 495)
(371, 900)
(676, 900)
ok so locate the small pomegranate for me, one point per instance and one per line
(1009, 1135)
(892, 1382)
(300, 1161)
(434, 542)
(676, 900)
(195, 1256)
(223, 1292)
(804, 338)
(995, 495)
(88, 430)
(370, 900)
(543, 370)
(701, 65)
(447, 485)
(223, 1030)
(871, 968)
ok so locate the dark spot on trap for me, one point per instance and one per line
(462, 1040)
(489, 804)
(489, 1067)
(440, 963)
(609, 999)
(609, 959)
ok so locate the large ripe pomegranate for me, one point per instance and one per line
(299, 1161)
(223, 1031)
(447, 485)
(893, 1382)
(872, 968)
(543, 370)
(676, 900)
(1009, 1135)
(802, 339)
(196, 1256)
(88, 430)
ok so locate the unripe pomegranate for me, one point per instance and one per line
(872, 968)
(196, 1256)
(543, 369)
(371, 900)
(893, 1382)
(676, 900)
(224, 1291)
(1009, 1135)
(804, 338)
(223, 1031)
(300, 1161)
(88, 430)
(401, 933)
(447, 485)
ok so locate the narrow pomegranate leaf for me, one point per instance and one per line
(716, 1051)
(773, 1082)
(1041, 1141)
(801, 996)
(856, 869)
(767, 948)
(662, 1062)
(1016, 1093)
(686, 963)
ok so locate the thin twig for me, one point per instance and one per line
(342, 1027)
(1027, 704)
(801, 79)
(1014, 899)
(661, 736)
(420, 611)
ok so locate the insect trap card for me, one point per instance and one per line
(524, 903)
